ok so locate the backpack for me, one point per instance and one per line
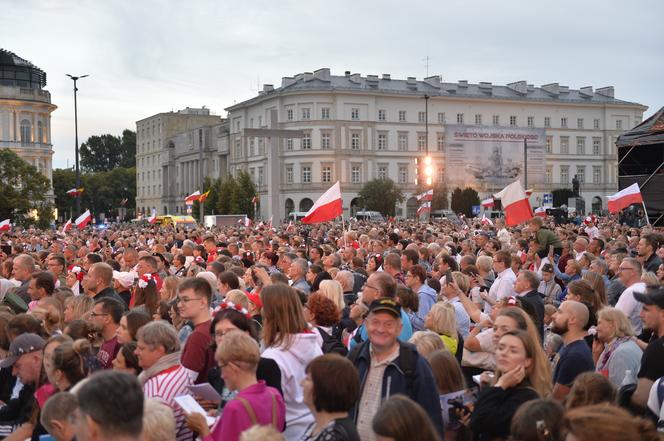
(407, 360)
(332, 342)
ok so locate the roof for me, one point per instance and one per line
(321, 80)
(10, 64)
(650, 131)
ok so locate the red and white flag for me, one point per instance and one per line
(529, 192)
(83, 220)
(326, 208)
(247, 221)
(425, 207)
(5, 225)
(485, 220)
(624, 198)
(192, 197)
(67, 226)
(269, 222)
(487, 203)
(515, 204)
(153, 217)
(540, 211)
(426, 196)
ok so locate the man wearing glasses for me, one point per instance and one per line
(194, 296)
(629, 273)
(105, 317)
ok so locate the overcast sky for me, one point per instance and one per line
(145, 57)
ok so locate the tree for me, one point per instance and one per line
(245, 192)
(560, 196)
(107, 152)
(227, 202)
(210, 204)
(22, 190)
(381, 195)
(440, 201)
(64, 179)
(463, 200)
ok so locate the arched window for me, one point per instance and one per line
(289, 206)
(26, 131)
(306, 204)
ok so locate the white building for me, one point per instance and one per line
(25, 113)
(357, 128)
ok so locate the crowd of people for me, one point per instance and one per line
(394, 331)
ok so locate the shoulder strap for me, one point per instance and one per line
(660, 392)
(408, 359)
(274, 412)
(249, 409)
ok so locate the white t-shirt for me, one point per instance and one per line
(655, 406)
(631, 307)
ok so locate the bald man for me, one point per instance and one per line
(575, 357)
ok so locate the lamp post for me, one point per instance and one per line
(78, 172)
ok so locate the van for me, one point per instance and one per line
(296, 216)
(373, 216)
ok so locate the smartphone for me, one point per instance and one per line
(448, 277)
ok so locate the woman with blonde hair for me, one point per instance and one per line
(169, 289)
(237, 297)
(333, 291)
(597, 283)
(608, 423)
(77, 307)
(441, 319)
(427, 342)
(614, 351)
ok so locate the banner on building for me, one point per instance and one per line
(489, 158)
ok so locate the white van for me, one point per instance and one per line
(373, 216)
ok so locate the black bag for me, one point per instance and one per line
(332, 342)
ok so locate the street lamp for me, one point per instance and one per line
(78, 172)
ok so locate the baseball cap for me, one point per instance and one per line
(547, 268)
(23, 344)
(126, 279)
(655, 297)
(386, 304)
(255, 299)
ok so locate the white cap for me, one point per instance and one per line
(126, 279)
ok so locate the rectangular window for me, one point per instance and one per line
(325, 143)
(289, 144)
(440, 142)
(260, 121)
(402, 115)
(355, 174)
(596, 123)
(326, 174)
(289, 174)
(355, 141)
(563, 123)
(459, 118)
(581, 173)
(597, 143)
(325, 113)
(440, 173)
(441, 118)
(495, 120)
(252, 149)
(382, 172)
(580, 145)
(421, 117)
(354, 113)
(549, 173)
(564, 174)
(531, 121)
(382, 141)
(289, 114)
(403, 174)
(252, 173)
(306, 174)
(306, 113)
(478, 119)
(403, 142)
(260, 176)
(306, 141)
(579, 123)
(381, 115)
(619, 124)
(421, 142)
(513, 121)
(549, 142)
(597, 174)
(564, 145)
(547, 122)
(251, 123)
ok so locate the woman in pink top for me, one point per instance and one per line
(238, 356)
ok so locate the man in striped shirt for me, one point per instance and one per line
(163, 377)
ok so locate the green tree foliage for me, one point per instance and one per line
(210, 204)
(227, 200)
(463, 200)
(106, 152)
(440, 201)
(22, 189)
(561, 195)
(245, 192)
(381, 195)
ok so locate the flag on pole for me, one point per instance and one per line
(192, 197)
(488, 203)
(529, 192)
(83, 220)
(515, 204)
(326, 208)
(75, 192)
(269, 222)
(540, 211)
(624, 198)
(67, 226)
(204, 196)
(153, 217)
(426, 196)
(5, 225)
(424, 208)
(485, 220)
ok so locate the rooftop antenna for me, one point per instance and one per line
(426, 65)
(258, 85)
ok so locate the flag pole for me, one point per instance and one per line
(645, 211)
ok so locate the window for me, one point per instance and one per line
(238, 149)
(597, 174)
(306, 174)
(402, 115)
(596, 123)
(26, 129)
(440, 142)
(441, 174)
(580, 145)
(459, 118)
(531, 121)
(547, 122)
(495, 120)
(326, 174)
(581, 173)
(261, 146)
(579, 123)
(260, 121)
(355, 141)
(381, 115)
(564, 174)
(306, 113)
(325, 141)
(597, 143)
(441, 118)
(478, 119)
(382, 172)
(563, 123)
(251, 123)
(549, 142)
(289, 144)
(421, 117)
(252, 151)
(306, 141)
(355, 174)
(289, 174)
(40, 132)
(421, 142)
(403, 174)
(289, 114)
(354, 113)
(564, 145)
(619, 124)
(260, 176)
(237, 126)
(403, 142)
(325, 113)
(549, 173)
(382, 141)
(252, 173)
(513, 121)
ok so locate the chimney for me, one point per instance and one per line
(520, 87)
(433, 81)
(356, 78)
(308, 76)
(387, 77)
(586, 92)
(268, 88)
(322, 74)
(552, 88)
(347, 73)
(463, 83)
(287, 81)
(606, 91)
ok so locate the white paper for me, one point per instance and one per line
(189, 405)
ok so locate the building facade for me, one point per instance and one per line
(25, 113)
(355, 128)
(171, 149)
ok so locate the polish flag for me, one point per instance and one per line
(424, 208)
(192, 197)
(485, 220)
(515, 204)
(540, 211)
(487, 203)
(529, 192)
(624, 198)
(326, 208)
(83, 220)
(269, 223)
(5, 225)
(426, 196)
(153, 217)
(67, 226)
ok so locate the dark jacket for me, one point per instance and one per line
(421, 388)
(110, 293)
(494, 409)
(536, 302)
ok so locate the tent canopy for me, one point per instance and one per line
(650, 131)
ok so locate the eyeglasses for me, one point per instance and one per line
(186, 300)
(94, 314)
(623, 268)
(220, 334)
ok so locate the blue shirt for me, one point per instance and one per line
(427, 298)
(572, 360)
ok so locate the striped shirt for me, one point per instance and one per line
(165, 386)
